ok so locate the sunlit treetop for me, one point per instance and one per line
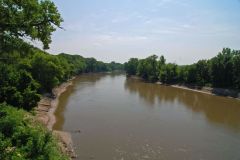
(32, 19)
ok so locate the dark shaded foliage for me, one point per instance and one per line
(220, 71)
(22, 138)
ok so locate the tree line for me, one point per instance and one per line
(221, 71)
(26, 72)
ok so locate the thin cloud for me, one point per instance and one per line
(117, 39)
(131, 28)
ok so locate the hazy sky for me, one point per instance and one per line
(184, 31)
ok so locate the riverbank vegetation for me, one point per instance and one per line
(27, 72)
(221, 71)
(21, 137)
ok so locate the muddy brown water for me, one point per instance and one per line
(126, 119)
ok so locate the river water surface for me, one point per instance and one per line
(126, 119)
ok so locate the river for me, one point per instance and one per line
(121, 118)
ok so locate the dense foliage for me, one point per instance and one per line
(22, 139)
(220, 71)
(34, 19)
(26, 72)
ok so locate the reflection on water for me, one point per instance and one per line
(63, 99)
(217, 109)
(126, 119)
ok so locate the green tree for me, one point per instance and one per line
(236, 69)
(91, 64)
(148, 68)
(113, 66)
(168, 73)
(202, 72)
(23, 18)
(221, 69)
(161, 63)
(72, 64)
(131, 66)
(47, 70)
(18, 88)
(191, 74)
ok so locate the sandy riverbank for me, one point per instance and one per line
(212, 91)
(230, 93)
(45, 114)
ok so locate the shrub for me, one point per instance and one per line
(22, 138)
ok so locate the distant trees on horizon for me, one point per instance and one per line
(26, 72)
(222, 70)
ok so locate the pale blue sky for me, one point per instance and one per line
(184, 31)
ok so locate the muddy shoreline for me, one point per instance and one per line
(45, 115)
(229, 93)
(209, 90)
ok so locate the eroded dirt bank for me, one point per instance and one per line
(231, 93)
(209, 90)
(45, 114)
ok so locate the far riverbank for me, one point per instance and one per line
(231, 93)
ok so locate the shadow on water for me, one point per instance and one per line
(217, 110)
